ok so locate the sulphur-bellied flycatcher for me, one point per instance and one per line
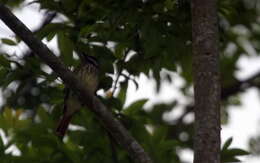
(87, 72)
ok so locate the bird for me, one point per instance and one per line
(87, 72)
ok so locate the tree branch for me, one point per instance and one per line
(116, 129)
(238, 87)
(241, 86)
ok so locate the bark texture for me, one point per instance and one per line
(206, 81)
(114, 127)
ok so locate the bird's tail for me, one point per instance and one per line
(63, 126)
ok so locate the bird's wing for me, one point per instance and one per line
(67, 92)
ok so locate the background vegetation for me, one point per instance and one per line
(129, 38)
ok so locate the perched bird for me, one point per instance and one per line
(87, 72)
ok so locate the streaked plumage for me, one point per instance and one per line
(87, 72)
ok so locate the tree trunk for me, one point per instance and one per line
(206, 81)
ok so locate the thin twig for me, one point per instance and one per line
(120, 70)
(237, 87)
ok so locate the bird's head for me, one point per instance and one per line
(87, 59)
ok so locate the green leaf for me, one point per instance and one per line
(120, 50)
(105, 58)
(156, 113)
(8, 115)
(50, 36)
(9, 78)
(230, 160)
(237, 152)
(105, 82)
(8, 42)
(4, 62)
(159, 134)
(45, 117)
(122, 93)
(66, 48)
(3, 74)
(169, 4)
(168, 145)
(52, 29)
(229, 155)
(86, 30)
(227, 143)
(114, 103)
(2, 146)
(135, 107)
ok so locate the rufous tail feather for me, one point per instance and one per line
(63, 126)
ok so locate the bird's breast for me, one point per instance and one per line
(89, 76)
